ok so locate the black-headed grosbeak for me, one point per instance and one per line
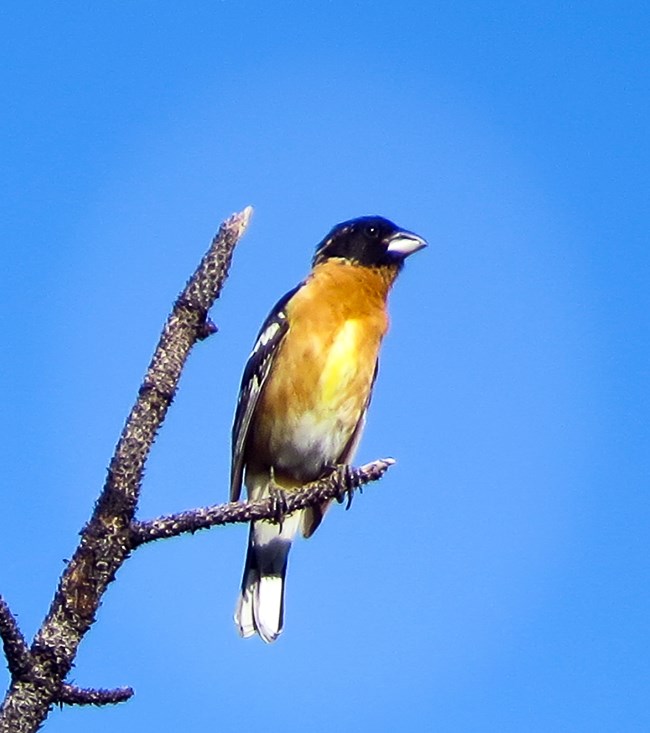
(305, 393)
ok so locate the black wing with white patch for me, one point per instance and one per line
(256, 371)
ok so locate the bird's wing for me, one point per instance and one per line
(256, 372)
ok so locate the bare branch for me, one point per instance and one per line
(105, 541)
(15, 647)
(39, 672)
(335, 486)
(72, 695)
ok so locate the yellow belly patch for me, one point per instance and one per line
(341, 365)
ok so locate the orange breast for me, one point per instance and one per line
(322, 375)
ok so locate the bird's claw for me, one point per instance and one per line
(348, 484)
(279, 505)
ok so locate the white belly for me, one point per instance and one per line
(311, 446)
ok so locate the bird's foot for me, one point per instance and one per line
(348, 484)
(279, 504)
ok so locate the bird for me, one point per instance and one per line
(304, 396)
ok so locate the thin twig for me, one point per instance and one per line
(15, 647)
(73, 695)
(332, 486)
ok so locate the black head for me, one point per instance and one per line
(370, 241)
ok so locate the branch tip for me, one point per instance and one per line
(246, 214)
(238, 221)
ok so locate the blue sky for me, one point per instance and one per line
(497, 579)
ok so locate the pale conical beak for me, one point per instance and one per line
(405, 243)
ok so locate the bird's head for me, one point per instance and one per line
(371, 241)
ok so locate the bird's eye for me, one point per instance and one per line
(372, 231)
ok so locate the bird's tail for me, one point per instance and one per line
(260, 607)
